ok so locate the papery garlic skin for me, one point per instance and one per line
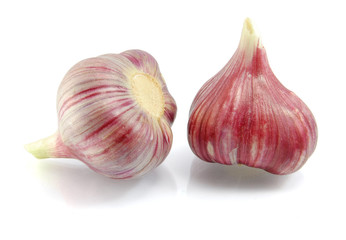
(114, 114)
(244, 115)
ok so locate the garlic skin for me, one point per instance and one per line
(244, 115)
(114, 113)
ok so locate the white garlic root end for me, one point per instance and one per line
(148, 93)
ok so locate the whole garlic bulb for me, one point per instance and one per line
(244, 115)
(114, 114)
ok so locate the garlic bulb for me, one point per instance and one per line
(114, 114)
(244, 115)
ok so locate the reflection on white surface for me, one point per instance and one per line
(79, 186)
(237, 178)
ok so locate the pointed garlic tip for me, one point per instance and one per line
(38, 149)
(250, 39)
(49, 147)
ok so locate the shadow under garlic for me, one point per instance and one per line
(79, 186)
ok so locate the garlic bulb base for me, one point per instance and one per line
(148, 93)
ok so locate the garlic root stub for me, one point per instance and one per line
(244, 115)
(114, 114)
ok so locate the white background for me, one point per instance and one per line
(184, 198)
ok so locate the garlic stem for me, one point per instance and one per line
(249, 41)
(49, 147)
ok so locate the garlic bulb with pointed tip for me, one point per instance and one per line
(114, 114)
(244, 115)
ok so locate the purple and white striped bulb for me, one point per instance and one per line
(114, 113)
